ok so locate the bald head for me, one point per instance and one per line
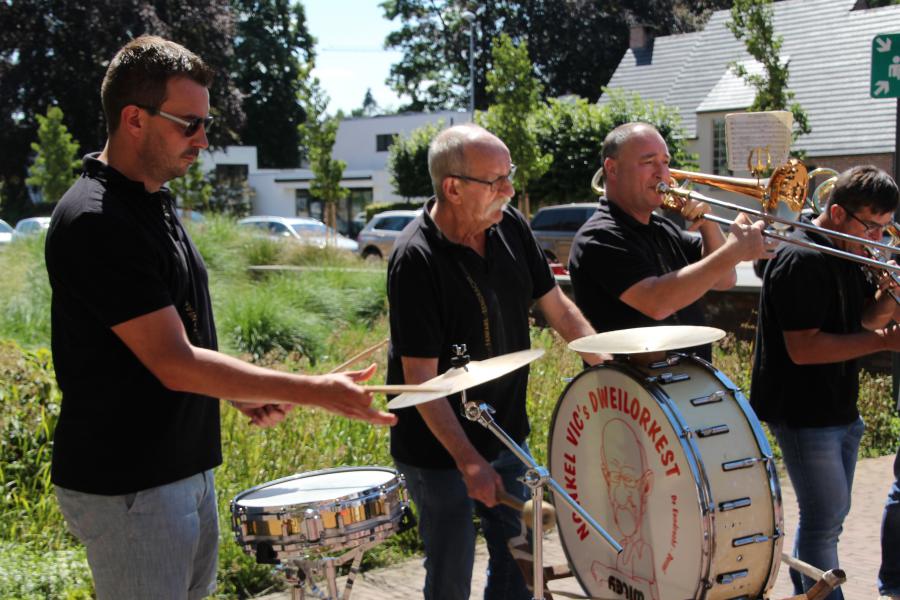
(447, 152)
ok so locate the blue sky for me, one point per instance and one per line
(349, 52)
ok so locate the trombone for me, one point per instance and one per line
(788, 184)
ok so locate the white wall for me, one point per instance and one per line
(275, 189)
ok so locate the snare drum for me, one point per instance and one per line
(671, 461)
(327, 510)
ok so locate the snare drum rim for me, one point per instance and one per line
(344, 500)
(690, 451)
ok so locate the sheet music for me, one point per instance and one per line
(764, 135)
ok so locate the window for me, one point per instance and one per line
(720, 149)
(301, 203)
(392, 223)
(383, 141)
(561, 219)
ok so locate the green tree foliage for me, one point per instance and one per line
(573, 132)
(56, 53)
(408, 161)
(54, 166)
(273, 56)
(511, 118)
(369, 106)
(318, 134)
(751, 22)
(192, 190)
(575, 45)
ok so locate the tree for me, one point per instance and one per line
(751, 21)
(45, 60)
(575, 45)
(408, 162)
(273, 58)
(53, 171)
(369, 106)
(511, 117)
(192, 190)
(319, 133)
(573, 132)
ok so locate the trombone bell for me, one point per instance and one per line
(788, 185)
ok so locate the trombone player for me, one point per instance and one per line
(633, 268)
(818, 314)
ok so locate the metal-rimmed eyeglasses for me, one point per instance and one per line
(870, 226)
(493, 183)
(190, 125)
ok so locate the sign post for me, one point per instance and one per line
(885, 79)
(885, 83)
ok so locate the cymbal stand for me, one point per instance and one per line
(536, 477)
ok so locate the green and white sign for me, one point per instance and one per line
(885, 66)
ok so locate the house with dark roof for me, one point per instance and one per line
(829, 45)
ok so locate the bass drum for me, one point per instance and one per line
(671, 461)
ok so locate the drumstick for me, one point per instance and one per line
(548, 512)
(361, 355)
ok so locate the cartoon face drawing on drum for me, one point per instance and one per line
(629, 482)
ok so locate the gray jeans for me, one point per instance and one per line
(159, 543)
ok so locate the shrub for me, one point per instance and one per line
(26, 574)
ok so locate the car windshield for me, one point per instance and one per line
(5, 228)
(309, 228)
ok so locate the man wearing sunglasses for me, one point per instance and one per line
(466, 271)
(134, 344)
(817, 315)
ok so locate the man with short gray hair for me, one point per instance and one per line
(466, 271)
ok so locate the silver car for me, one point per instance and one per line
(556, 226)
(301, 229)
(32, 225)
(378, 236)
(6, 232)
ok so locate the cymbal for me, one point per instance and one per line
(647, 339)
(475, 373)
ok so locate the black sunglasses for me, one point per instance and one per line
(190, 126)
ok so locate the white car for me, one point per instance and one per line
(302, 229)
(32, 225)
(6, 232)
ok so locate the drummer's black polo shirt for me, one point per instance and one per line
(442, 293)
(613, 251)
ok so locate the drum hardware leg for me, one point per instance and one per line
(826, 581)
(536, 477)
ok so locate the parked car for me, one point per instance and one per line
(6, 232)
(301, 229)
(555, 226)
(32, 225)
(378, 236)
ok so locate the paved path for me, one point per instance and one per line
(859, 547)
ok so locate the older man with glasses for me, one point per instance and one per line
(467, 271)
(134, 344)
(817, 315)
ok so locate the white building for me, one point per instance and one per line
(361, 142)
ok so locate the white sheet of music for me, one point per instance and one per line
(760, 137)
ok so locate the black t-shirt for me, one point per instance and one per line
(807, 289)
(115, 252)
(613, 251)
(436, 288)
